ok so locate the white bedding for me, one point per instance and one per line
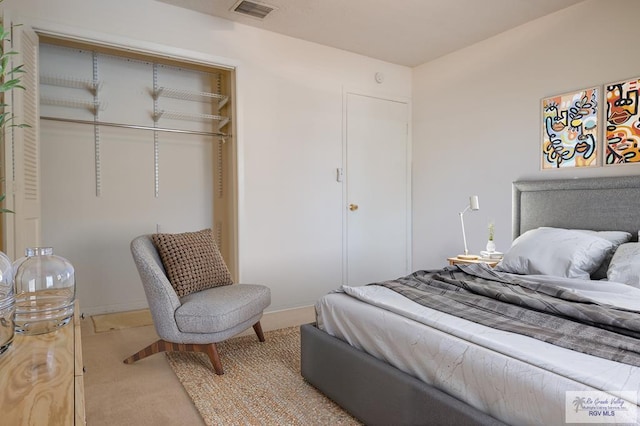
(517, 379)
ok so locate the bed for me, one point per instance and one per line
(387, 360)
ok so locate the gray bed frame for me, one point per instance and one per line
(377, 393)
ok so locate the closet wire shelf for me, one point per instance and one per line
(95, 106)
(74, 103)
(180, 115)
(70, 82)
(190, 95)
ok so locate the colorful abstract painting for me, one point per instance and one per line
(623, 125)
(570, 130)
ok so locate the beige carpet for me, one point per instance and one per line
(146, 393)
(121, 320)
(261, 385)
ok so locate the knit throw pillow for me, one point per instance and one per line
(192, 261)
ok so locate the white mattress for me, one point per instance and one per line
(514, 378)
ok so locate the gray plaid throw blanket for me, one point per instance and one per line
(541, 311)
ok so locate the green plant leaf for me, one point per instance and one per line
(14, 83)
(17, 70)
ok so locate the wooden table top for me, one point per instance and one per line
(37, 379)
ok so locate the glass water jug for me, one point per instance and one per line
(44, 291)
(7, 303)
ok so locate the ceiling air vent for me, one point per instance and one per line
(253, 9)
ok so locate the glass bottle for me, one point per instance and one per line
(7, 303)
(44, 291)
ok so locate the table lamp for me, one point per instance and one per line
(473, 205)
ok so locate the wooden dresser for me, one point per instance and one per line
(41, 379)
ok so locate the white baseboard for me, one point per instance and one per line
(285, 318)
(270, 320)
(109, 309)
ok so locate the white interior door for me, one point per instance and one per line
(377, 195)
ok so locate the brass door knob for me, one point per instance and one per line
(353, 207)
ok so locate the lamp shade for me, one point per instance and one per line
(474, 203)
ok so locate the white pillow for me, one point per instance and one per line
(617, 238)
(625, 265)
(554, 251)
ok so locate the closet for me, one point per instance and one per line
(131, 143)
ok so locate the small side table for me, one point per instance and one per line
(457, 261)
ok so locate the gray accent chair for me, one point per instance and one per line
(198, 321)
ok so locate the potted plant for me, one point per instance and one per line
(491, 245)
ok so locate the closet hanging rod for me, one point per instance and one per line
(134, 126)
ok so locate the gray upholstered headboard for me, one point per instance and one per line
(600, 204)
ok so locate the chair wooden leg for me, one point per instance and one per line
(258, 329)
(164, 346)
(212, 351)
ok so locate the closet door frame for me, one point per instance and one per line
(21, 156)
(124, 44)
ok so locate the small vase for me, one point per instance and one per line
(44, 290)
(491, 246)
(7, 303)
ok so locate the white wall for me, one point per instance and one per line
(289, 127)
(477, 119)
(290, 123)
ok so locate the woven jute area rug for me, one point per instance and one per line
(261, 384)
